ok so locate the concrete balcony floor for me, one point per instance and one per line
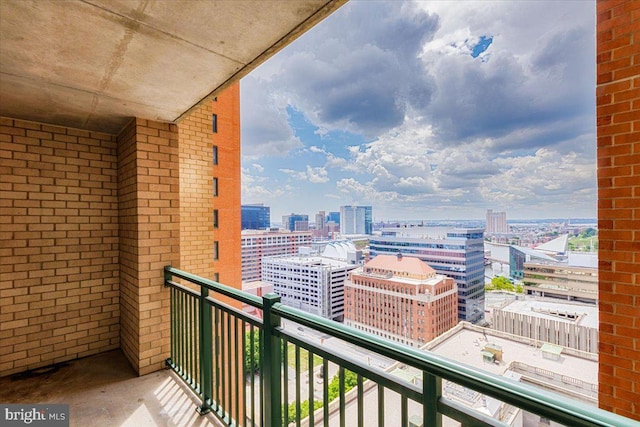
(103, 390)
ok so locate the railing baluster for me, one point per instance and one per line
(381, 406)
(238, 369)
(215, 328)
(243, 372)
(172, 318)
(298, 398)
(272, 363)
(181, 328)
(285, 381)
(197, 359)
(229, 366)
(404, 411)
(205, 356)
(189, 343)
(261, 377)
(342, 397)
(172, 311)
(311, 396)
(252, 374)
(360, 401)
(223, 363)
(432, 392)
(325, 390)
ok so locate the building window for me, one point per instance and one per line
(214, 123)
(215, 187)
(215, 250)
(216, 277)
(215, 218)
(214, 152)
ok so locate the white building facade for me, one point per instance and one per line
(568, 325)
(356, 220)
(257, 244)
(309, 283)
(496, 222)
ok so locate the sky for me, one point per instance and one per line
(428, 110)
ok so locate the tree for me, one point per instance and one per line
(350, 381)
(588, 232)
(501, 283)
(253, 347)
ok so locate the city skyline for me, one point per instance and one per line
(438, 111)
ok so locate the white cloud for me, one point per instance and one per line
(317, 175)
(265, 126)
(446, 132)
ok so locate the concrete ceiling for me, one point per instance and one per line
(93, 64)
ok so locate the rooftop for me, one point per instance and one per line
(557, 245)
(586, 314)
(308, 261)
(464, 344)
(338, 249)
(399, 264)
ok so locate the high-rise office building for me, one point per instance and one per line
(321, 229)
(259, 244)
(334, 217)
(460, 255)
(496, 222)
(256, 217)
(401, 298)
(356, 220)
(295, 222)
(313, 284)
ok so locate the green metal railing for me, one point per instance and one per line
(252, 371)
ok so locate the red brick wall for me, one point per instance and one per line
(197, 201)
(227, 139)
(618, 120)
(58, 245)
(149, 238)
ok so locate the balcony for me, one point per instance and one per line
(214, 371)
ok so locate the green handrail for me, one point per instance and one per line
(548, 404)
(434, 367)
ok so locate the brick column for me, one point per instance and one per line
(618, 115)
(148, 194)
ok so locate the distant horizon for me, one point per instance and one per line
(586, 220)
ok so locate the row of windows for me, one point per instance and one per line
(214, 155)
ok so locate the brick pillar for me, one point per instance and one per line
(618, 116)
(148, 194)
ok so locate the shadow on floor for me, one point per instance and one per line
(103, 390)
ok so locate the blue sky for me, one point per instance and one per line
(435, 110)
